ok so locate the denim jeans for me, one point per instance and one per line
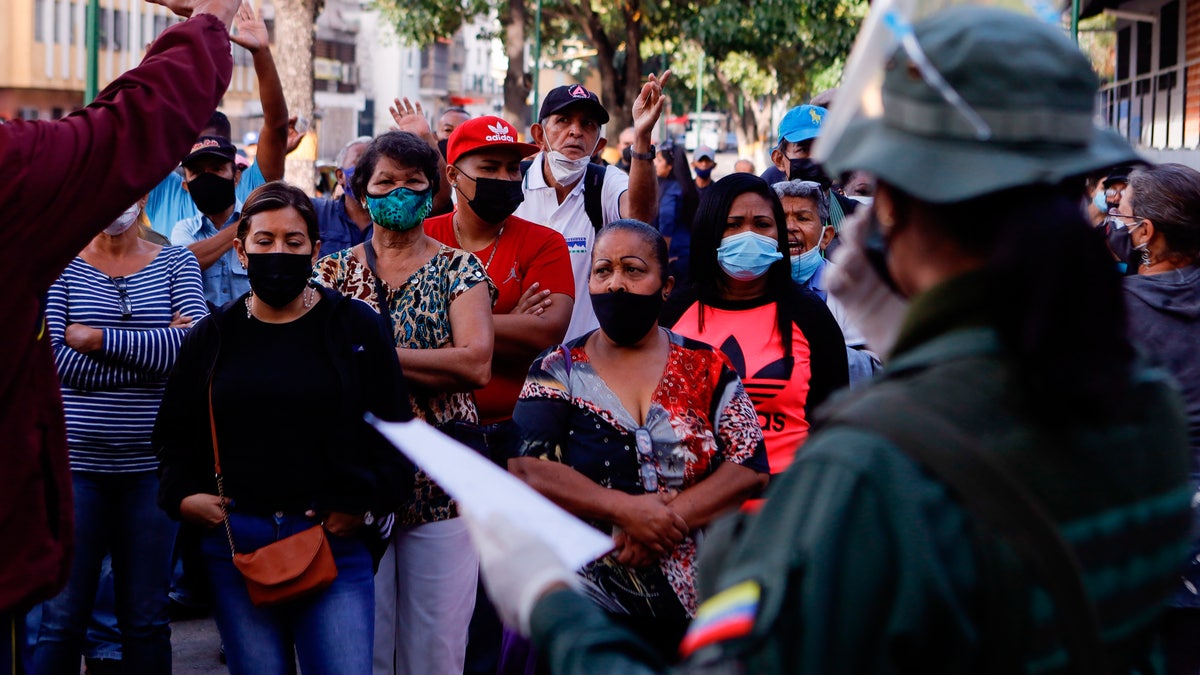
(331, 632)
(114, 513)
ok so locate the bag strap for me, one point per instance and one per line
(593, 192)
(381, 297)
(212, 427)
(989, 491)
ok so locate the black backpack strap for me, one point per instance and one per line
(593, 193)
(989, 491)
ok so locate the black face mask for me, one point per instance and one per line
(277, 278)
(1120, 242)
(495, 199)
(806, 169)
(211, 193)
(627, 317)
(443, 145)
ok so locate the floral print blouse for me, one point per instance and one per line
(700, 416)
(420, 313)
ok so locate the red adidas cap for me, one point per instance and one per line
(488, 131)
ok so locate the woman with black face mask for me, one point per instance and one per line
(649, 436)
(283, 379)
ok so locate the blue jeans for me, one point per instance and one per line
(114, 513)
(332, 633)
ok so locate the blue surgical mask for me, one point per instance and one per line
(1100, 202)
(747, 255)
(805, 265)
(348, 175)
(401, 209)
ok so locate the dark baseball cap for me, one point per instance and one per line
(215, 146)
(569, 95)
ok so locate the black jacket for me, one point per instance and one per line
(365, 471)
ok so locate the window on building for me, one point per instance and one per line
(1168, 44)
(39, 25)
(120, 30)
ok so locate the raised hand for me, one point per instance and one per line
(251, 30)
(648, 106)
(410, 117)
(222, 9)
(294, 135)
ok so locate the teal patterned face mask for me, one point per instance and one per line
(401, 209)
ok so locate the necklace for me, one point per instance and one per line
(495, 242)
(308, 301)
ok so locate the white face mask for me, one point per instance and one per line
(870, 304)
(567, 171)
(123, 221)
(865, 201)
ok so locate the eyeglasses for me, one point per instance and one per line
(1134, 221)
(123, 301)
(647, 470)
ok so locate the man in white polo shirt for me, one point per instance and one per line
(558, 181)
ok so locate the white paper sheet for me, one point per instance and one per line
(483, 489)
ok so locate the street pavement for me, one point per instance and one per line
(195, 645)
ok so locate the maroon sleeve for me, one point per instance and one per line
(66, 180)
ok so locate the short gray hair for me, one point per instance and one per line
(341, 156)
(805, 189)
(1169, 196)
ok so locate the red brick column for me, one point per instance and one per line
(1191, 113)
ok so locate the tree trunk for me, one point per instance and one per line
(613, 84)
(632, 80)
(743, 125)
(295, 22)
(516, 81)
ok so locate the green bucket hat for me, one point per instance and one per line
(1025, 80)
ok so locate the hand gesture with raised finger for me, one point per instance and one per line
(648, 106)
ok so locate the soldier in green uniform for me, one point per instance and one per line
(868, 558)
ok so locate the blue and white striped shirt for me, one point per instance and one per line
(111, 396)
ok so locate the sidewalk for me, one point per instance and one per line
(194, 647)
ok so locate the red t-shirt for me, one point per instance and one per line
(524, 253)
(751, 340)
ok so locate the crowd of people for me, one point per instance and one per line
(930, 405)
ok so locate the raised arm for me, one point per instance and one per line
(641, 199)
(272, 140)
(410, 117)
(143, 122)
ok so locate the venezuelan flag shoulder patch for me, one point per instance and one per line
(727, 615)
